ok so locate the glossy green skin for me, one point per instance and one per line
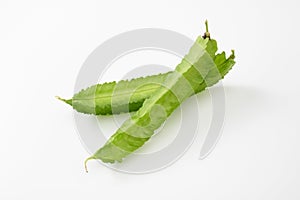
(186, 80)
(116, 97)
(123, 96)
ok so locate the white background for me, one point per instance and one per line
(42, 46)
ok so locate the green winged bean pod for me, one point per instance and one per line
(199, 69)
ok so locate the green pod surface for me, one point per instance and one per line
(125, 95)
(116, 97)
(200, 68)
